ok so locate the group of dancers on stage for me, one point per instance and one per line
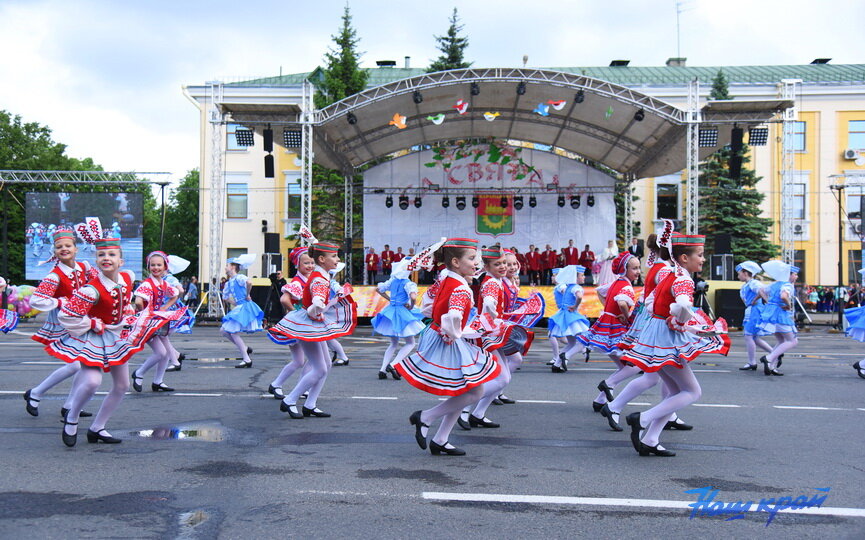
(474, 329)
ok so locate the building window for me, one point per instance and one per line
(234, 252)
(231, 142)
(237, 200)
(667, 201)
(800, 194)
(293, 206)
(798, 144)
(856, 134)
(799, 260)
(854, 264)
(854, 201)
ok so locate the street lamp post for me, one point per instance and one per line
(839, 298)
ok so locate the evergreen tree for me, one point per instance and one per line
(720, 86)
(342, 76)
(732, 206)
(452, 47)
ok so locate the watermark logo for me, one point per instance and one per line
(707, 505)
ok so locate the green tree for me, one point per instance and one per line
(720, 87)
(732, 206)
(181, 222)
(342, 75)
(452, 47)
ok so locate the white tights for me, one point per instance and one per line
(336, 347)
(684, 390)
(86, 383)
(297, 362)
(573, 347)
(449, 410)
(238, 342)
(493, 388)
(623, 372)
(389, 357)
(318, 361)
(57, 376)
(161, 347)
(786, 341)
(514, 361)
(751, 344)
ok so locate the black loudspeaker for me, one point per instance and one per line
(267, 298)
(346, 246)
(269, 167)
(722, 267)
(729, 305)
(736, 153)
(722, 243)
(268, 140)
(271, 242)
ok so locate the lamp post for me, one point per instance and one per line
(162, 226)
(838, 296)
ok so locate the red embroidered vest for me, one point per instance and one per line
(67, 285)
(611, 306)
(500, 296)
(443, 297)
(110, 304)
(307, 293)
(664, 297)
(650, 279)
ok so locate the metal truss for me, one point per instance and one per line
(349, 220)
(629, 208)
(786, 235)
(466, 76)
(78, 177)
(692, 166)
(217, 198)
(307, 117)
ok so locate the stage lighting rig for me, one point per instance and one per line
(758, 136)
(518, 202)
(533, 201)
(503, 202)
(580, 97)
(590, 200)
(521, 88)
(446, 201)
(417, 97)
(640, 115)
(575, 201)
(475, 202)
(476, 89)
(352, 119)
(561, 201)
(418, 202)
(244, 137)
(707, 138)
(388, 201)
(403, 202)
(461, 203)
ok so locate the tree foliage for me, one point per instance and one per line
(452, 47)
(29, 146)
(720, 88)
(342, 75)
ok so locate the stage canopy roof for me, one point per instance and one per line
(618, 127)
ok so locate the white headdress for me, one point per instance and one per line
(243, 261)
(749, 266)
(777, 270)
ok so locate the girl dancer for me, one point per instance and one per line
(8, 320)
(57, 287)
(292, 299)
(567, 322)
(750, 294)
(777, 315)
(446, 362)
(665, 347)
(321, 319)
(155, 294)
(400, 319)
(604, 335)
(856, 330)
(246, 316)
(95, 317)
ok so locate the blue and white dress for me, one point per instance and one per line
(855, 323)
(566, 322)
(774, 317)
(183, 325)
(753, 312)
(246, 315)
(396, 320)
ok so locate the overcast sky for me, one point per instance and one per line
(106, 76)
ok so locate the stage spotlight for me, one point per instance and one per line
(461, 203)
(352, 119)
(446, 201)
(503, 202)
(758, 136)
(388, 201)
(417, 202)
(575, 201)
(475, 202)
(590, 200)
(476, 89)
(518, 202)
(521, 88)
(244, 137)
(707, 138)
(403, 202)
(417, 97)
(561, 201)
(580, 97)
(533, 201)
(640, 115)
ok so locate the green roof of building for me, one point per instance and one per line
(634, 76)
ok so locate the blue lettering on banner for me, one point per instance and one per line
(707, 505)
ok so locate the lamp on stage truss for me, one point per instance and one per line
(475, 202)
(403, 202)
(417, 202)
(590, 200)
(503, 202)
(533, 201)
(388, 201)
(518, 202)
(640, 115)
(417, 97)
(521, 88)
(758, 136)
(292, 138)
(561, 201)
(446, 201)
(461, 203)
(476, 89)
(244, 137)
(352, 119)
(580, 97)
(708, 137)
(575, 201)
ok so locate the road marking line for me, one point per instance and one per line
(711, 371)
(40, 363)
(722, 405)
(602, 501)
(191, 394)
(388, 398)
(540, 401)
(802, 408)
(639, 403)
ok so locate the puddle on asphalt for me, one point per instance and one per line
(192, 432)
(210, 360)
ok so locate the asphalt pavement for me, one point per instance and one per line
(217, 459)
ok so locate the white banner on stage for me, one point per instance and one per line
(547, 223)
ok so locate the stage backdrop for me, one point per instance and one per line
(471, 167)
(121, 211)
